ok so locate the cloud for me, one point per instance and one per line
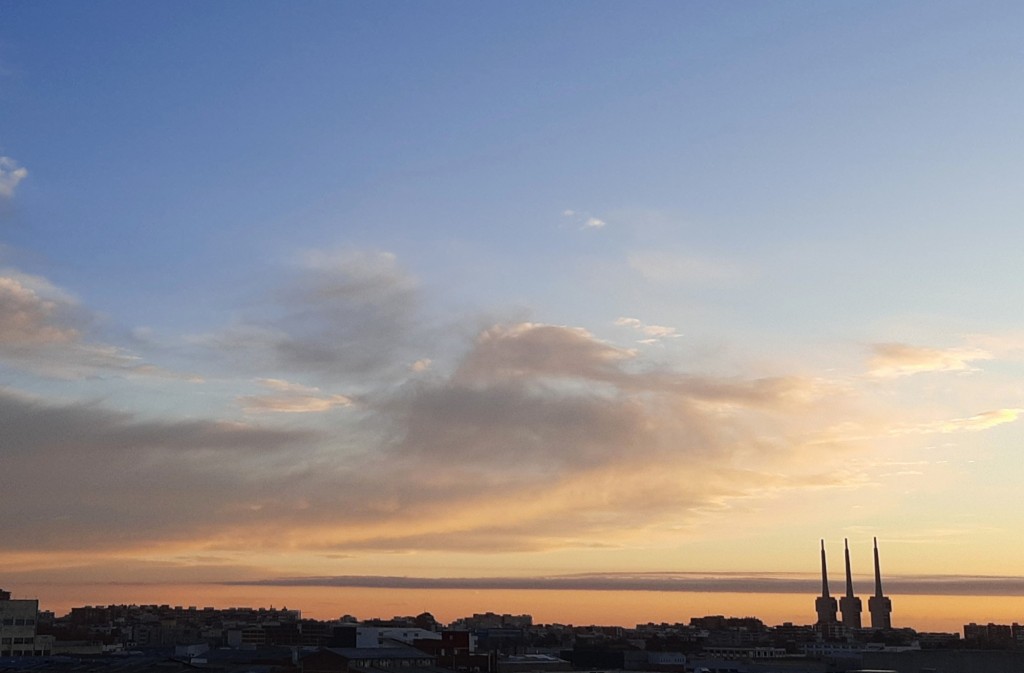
(978, 422)
(756, 583)
(11, 174)
(550, 440)
(286, 386)
(113, 480)
(660, 266)
(30, 312)
(292, 398)
(421, 365)
(350, 314)
(856, 432)
(584, 220)
(891, 360)
(539, 436)
(542, 437)
(654, 333)
(42, 331)
(537, 350)
(58, 567)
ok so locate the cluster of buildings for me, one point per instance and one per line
(176, 639)
(173, 639)
(994, 635)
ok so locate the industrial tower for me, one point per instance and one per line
(879, 605)
(849, 604)
(824, 604)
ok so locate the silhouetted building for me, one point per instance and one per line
(849, 604)
(456, 651)
(879, 605)
(993, 636)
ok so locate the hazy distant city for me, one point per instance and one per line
(138, 638)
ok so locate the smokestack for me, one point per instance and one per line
(824, 572)
(879, 605)
(849, 604)
(878, 572)
(825, 605)
(849, 576)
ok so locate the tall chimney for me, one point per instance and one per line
(824, 572)
(879, 605)
(825, 605)
(849, 604)
(878, 571)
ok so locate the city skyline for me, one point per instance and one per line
(589, 301)
(782, 597)
(437, 589)
(647, 597)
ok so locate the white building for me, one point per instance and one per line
(386, 636)
(18, 628)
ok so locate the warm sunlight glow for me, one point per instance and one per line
(605, 312)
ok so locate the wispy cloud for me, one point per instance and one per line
(653, 333)
(584, 220)
(292, 398)
(975, 423)
(550, 437)
(11, 174)
(31, 309)
(42, 331)
(890, 360)
(538, 428)
(347, 314)
(857, 432)
(759, 583)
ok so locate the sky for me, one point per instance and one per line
(603, 308)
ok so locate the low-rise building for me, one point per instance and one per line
(18, 637)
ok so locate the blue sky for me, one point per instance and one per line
(774, 244)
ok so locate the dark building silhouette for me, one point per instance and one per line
(879, 605)
(849, 604)
(825, 605)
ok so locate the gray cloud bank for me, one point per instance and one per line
(537, 437)
(925, 585)
(542, 437)
(345, 316)
(81, 476)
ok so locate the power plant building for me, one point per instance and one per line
(850, 606)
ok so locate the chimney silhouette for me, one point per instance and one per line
(879, 605)
(825, 605)
(849, 604)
